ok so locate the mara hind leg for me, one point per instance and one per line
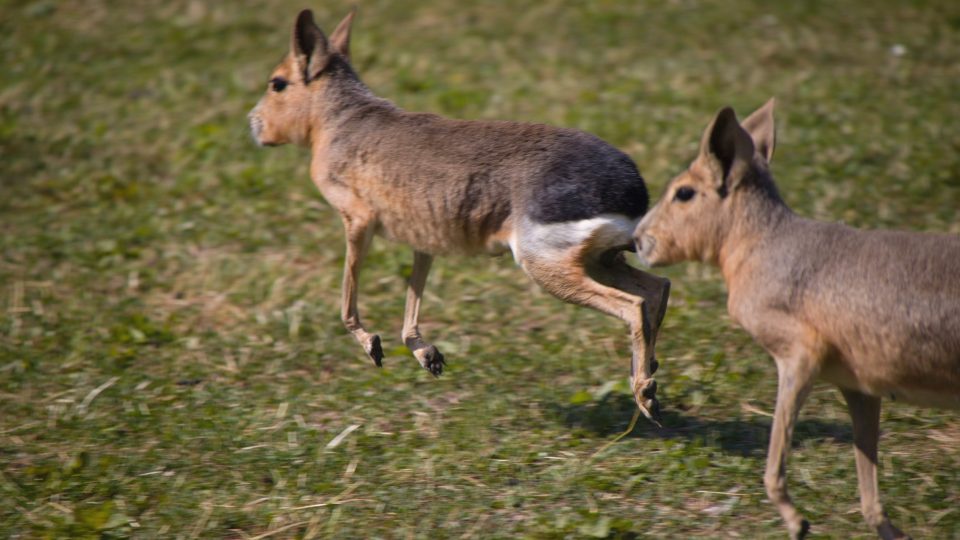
(573, 268)
(865, 413)
(612, 269)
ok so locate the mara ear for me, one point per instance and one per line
(340, 38)
(760, 126)
(309, 46)
(726, 144)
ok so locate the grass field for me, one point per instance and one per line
(172, 363)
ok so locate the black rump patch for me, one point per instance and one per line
(586, 180)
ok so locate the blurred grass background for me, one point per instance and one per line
(172, 362)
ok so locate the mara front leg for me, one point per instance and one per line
(359, 234)
(425, 353)
(795, 379)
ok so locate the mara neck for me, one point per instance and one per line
(343, 99)
(760, 214)
(346, 94)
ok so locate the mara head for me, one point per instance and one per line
(295, 87)
(698, 207)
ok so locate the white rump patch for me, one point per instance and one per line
(542, 240)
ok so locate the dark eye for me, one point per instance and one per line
(684, 194)
(277, 84)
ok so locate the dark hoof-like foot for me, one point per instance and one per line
(645, 391)
(433, 361)
(375, 351)
(803, 532)
(887, 531)
(653, 410)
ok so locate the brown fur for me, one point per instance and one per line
(563, 201)
(876, 313)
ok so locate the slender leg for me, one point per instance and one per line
(613, 270)
(359, 235)
(795, 381)
(865, 413)
(428, 355)
(565, 275)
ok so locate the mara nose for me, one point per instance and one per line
(644, 243)
(254, 112)
(638, 235)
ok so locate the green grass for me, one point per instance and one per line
(172, 362)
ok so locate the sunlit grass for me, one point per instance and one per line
(172, 362)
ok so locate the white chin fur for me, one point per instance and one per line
(256, 129)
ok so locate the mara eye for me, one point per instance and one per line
(684, 194)
(277, 84)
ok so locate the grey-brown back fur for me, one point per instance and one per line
(445, 170)
(876, 296)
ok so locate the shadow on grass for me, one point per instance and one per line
(611, 415)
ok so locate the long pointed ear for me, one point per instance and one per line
(728, 146)
(340, 38)
(761, 128)
(309, 46)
